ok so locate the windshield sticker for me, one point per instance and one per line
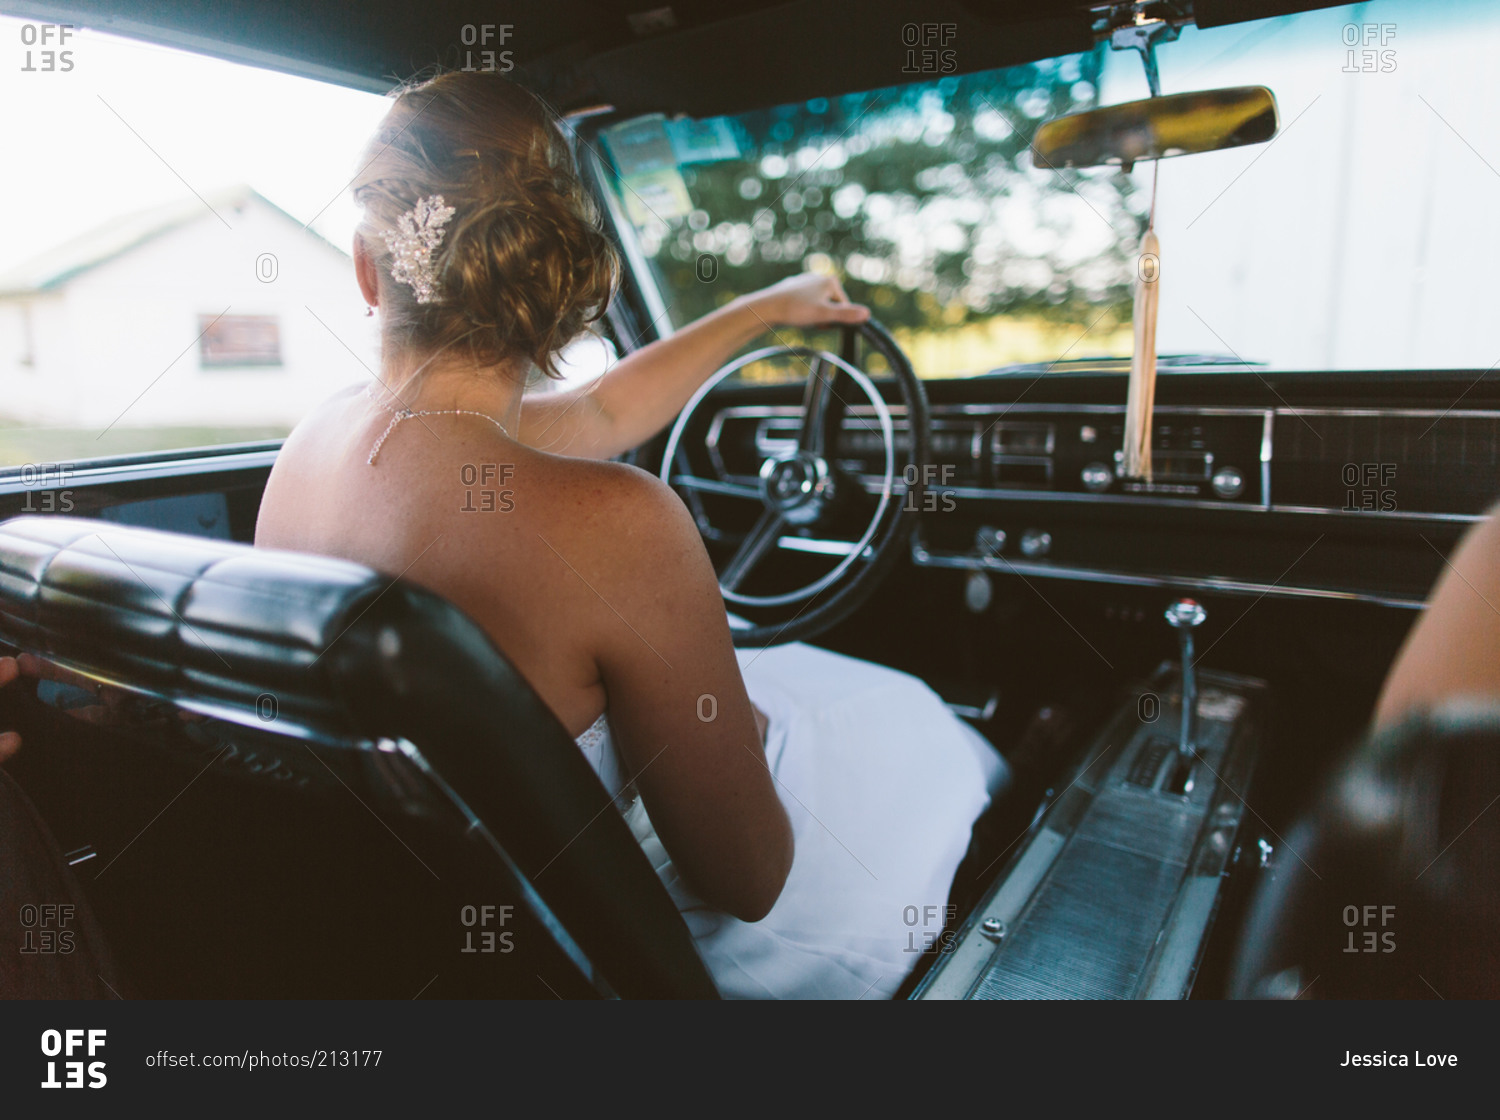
(641, 146)
(710, 141)
(657, 194)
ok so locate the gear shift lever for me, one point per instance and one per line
(1185, 616)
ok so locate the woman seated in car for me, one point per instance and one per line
(795, 802)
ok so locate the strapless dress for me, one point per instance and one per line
(882, 784)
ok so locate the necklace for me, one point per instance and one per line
(400, 414)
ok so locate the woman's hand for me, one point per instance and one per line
(805, 300)
(10, 742)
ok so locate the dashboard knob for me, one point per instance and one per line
(1186, 614)
(1035, 544)
(1097, 478)
(989, 541)
(1228, 482)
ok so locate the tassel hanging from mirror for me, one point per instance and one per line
(1141, 398)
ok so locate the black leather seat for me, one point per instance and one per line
(1387, 885)
(257, 728)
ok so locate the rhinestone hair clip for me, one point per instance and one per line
(418, 232)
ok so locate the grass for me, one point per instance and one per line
(20, 445)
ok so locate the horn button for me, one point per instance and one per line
(797, 486)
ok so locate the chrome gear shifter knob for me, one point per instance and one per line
(1185, 616)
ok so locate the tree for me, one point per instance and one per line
(922, 197)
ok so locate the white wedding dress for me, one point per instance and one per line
(882, 784)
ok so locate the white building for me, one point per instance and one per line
(223, 311)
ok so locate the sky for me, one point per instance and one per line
(133, 126)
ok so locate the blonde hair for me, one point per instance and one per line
(524, 265)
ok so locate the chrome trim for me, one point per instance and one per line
(818, 546)
(770, 446)
(1000, 453)
(955, 976)
(1032, 406)
(636, 262)
(981, 493)
(127, 472)
(922, 557)
(765, 411)
(1396, 514)
(1267, 441)
(716, 486)
(898, 411)
(969, 711)
(1488, 413)
(1267, 444)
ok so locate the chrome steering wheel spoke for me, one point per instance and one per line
(759, 541)
(716, 486)
(811, 437)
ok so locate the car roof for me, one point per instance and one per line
(696, 57)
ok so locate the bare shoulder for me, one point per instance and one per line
(312, 431)
(623, 508)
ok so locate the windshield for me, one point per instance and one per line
(1361, 237)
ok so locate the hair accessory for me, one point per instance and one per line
(411, 243)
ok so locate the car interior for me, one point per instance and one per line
(1167, 591)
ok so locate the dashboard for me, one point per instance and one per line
(1342, 486)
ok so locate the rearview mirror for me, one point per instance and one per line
(1158, 127)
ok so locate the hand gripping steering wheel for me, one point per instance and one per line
(803, 490)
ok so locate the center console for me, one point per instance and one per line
(1113, 892)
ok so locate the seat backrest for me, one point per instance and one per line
(1385, 887)
(302, 699)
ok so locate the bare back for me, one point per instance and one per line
(453, 505)
(589, 576)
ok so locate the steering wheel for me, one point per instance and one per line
(805, 490)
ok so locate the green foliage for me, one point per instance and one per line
(923, 199)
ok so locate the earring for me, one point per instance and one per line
(369, 311)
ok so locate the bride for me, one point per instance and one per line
(824, 800)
